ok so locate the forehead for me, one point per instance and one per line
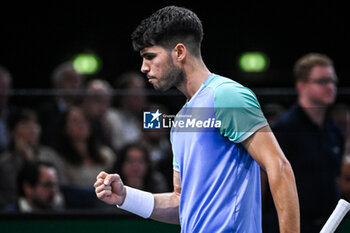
(74, 114)
(322, 71)
(48, 172)
(152, 49)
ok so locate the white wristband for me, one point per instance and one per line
(138, 202)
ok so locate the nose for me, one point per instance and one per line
(144, 67)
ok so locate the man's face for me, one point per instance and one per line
(70, 80)
(27, 132)
(97, 105)
(160, 69)
(321, 88)
(45, 191)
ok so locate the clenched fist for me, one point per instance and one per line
(110, 188)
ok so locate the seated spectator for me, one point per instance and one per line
(24, 146)
(38, 189)
(82, 157)
(128, 117)
(97, 105)
(64, 78)
(135, 169)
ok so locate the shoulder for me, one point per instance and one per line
(7, 162)
(47, 153)
(47, 150)
(113, 113)
(10, 160)
(228, 93)
(218, 82)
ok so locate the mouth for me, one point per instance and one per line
(150, 78)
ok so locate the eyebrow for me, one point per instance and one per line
(145, 54)
(142, 54)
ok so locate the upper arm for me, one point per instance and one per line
(264, 149)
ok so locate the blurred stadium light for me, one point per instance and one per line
(253, 62)
(86, 63)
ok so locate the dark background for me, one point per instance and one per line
(36, 37)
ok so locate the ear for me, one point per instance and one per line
(299, 86)
(180, 52)
(27, 189)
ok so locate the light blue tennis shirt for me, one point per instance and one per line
(220, 180)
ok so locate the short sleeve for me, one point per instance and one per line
(238, 110)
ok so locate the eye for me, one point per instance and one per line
(148, 56)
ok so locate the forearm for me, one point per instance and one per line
(284, 192)
(166, 208)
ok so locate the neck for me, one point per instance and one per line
(81, 147)
(315, 112)
(195, 73)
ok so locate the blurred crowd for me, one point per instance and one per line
(50, 155)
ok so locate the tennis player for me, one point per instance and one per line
(216, 172)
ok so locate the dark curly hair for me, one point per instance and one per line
(167, 27)
(64, 144)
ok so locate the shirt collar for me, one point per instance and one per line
(24, 205)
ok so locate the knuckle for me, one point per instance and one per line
(102, 194)
(101, 174)
(100, 188)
